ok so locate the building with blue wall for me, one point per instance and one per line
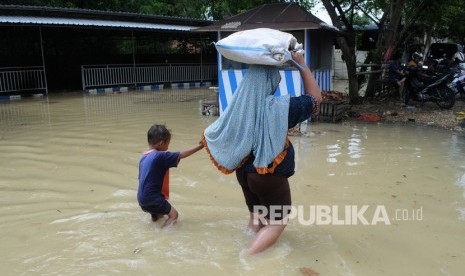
(317, 38)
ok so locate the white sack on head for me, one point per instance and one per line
(259, 46)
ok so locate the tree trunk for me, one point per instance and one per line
(428, 34)
(347, 44)
(387, 37)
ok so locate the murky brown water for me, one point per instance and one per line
(68, 182)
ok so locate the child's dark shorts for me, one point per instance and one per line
(266, 190)
(157, 209)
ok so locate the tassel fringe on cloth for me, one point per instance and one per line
(254, 123)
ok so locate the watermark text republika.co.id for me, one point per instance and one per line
(335, 214)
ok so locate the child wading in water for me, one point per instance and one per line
(153, 192)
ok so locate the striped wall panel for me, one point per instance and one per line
(191, 84)
(291, 83)
(150, 87)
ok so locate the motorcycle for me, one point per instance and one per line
(458, 83)
(434, 88)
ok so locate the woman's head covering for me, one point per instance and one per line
(255, 122)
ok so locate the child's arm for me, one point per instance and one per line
(191, 151)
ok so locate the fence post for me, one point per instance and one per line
(43, 59)
(83, 78)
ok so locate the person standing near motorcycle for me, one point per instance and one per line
(425, 87)
(458, 83)
(416, 60)
(397, 75)
(415, 74)
(458, 57)
(416, 63)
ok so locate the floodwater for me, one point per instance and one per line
(385, 199)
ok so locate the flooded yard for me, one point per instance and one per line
(68, 183)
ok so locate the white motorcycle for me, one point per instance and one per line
(458, 83)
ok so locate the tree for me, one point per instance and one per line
(434, 18)
(220, 9)
(342, 17)
(452, 23)
(422, 18)
(388, 38)
(392, 30)
(384, 13)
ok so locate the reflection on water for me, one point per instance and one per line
(68, 180)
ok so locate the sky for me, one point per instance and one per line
(320, 12)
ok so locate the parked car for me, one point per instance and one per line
(443, 56)
(444, 50)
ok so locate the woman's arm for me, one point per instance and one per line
(311, 87)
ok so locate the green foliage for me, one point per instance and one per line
(179, 8)
(213, 9)
(218, 9)
(49, 3)
(450, 21)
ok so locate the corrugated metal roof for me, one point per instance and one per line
(280, 16)
(36, 20)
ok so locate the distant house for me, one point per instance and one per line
(44, 48)
(317, 38)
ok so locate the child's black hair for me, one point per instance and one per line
(158, 133)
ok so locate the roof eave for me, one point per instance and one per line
(98, 15)
(6, 20)
(282, 27)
